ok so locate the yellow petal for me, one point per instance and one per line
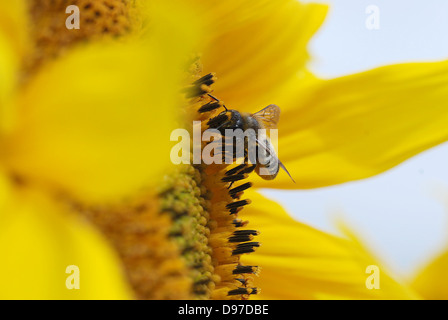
(8, 80)
(432, 281)
(354, 127)
(14, 24)
(13, 36)
(300, 262)
(256, 46)
(39, 241)
(97, 122)
(89, 122)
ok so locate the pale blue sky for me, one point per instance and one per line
(399, 214)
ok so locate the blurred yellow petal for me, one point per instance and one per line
(256, 46)
(354, 127)
(97, 122)
(300, 262)
(8, 80)
(14, 24)
(39, 240)
(13, 27)
(89, 122)
(432, 281)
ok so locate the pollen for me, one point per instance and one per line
(98, 18)
(222, 190)
(142, 236)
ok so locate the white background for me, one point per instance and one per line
(400, 215)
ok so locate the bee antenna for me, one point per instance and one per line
(216, 99)
(286, 170)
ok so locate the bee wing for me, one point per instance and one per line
(268, 116)
(270, 150)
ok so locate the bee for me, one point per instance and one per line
(267, 164)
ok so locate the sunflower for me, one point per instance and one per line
(431, 281)
(86, 176)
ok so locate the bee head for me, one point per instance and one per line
(229, 119)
